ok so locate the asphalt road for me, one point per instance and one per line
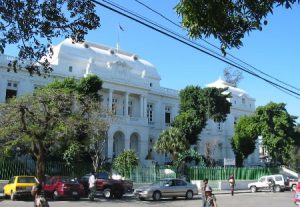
(261, 199)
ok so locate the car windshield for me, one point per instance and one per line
(162, 182)
(26, 180)
(68, 180)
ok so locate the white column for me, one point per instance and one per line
(141, 106)
(3, 84)
(126, 104)
(110, 147)
(145, 107)
(110, 92)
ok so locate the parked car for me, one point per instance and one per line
(263, 183)
(19, 186)
(58, 187)
(165, 188)
(107, 187)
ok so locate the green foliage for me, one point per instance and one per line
(188, 156)
(196, 106)
(171, 141)
(90, 86)
(47, 123)
(124, 162)
(87, 86)
(244, 139)
(31, 25)
(228, 21)
(276, 126)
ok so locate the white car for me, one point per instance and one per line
(263, 183)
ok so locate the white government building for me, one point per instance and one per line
(131, 89)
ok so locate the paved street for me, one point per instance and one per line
(261, 199)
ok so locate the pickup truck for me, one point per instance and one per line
(109, 188)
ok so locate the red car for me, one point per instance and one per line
(63, 187)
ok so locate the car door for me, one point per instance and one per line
(279, 180)
(180, 188)
(8, 188)
(167, 188)
(262, 183)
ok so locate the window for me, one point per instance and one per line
(114, 106)
(70, 69)
(219, 127)
(150, 113)
(130, 104)
(243, 100)
(168, 115)
(180, 183)
(263, 179)
(278, 178)
(11, 90)
(150, 84)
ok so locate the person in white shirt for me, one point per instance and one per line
(92, 186)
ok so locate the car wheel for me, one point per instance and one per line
(189, 195)
(253, 189)
(12, 196)
(156, 195)
(141, 198)
(55, 195)
(277, 188)
(107, 193)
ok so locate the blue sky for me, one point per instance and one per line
(275, 50)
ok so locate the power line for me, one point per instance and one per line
(179, 26)
(161, 30)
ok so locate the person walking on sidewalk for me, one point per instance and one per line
(92, 186)
(232, 184)
(203, 187)
(210, 198)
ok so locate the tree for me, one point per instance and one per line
(244, 138)
(197, 106)
(171, 141)
(37, 123)
(51, 121)
(226, 20)
(125, 161)
(232, 76)
(94, 130)
(276, 126)
(31, 25)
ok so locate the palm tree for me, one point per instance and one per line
(171, 141)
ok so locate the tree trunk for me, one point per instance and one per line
(40, 166)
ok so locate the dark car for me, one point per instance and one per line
(63, 187)
(107, 187)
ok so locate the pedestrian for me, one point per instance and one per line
(297, 195)
(92, 186)
(203, 187)
(210, 198)
(271, 183)
(231, 184)
(39, 198)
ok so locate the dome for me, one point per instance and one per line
(104, 58)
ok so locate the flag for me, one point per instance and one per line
(121, 28)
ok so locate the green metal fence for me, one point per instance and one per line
(9, 168)
(220, 173)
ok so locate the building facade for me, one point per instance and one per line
(132, 91)
(215, 139)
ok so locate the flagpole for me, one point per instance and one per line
(118, 39)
